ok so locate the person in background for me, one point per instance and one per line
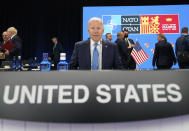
(164, 56)
(55, 51)
(130, 45)
(109, 37)
(16, 40)
(95, 53)
(123, 50)
(182, 49)
(5, 37)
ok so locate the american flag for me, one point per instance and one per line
(138, 54)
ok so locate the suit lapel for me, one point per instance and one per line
(88, 54)
(104, 52)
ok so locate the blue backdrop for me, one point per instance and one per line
(147, 41)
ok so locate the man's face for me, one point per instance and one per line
(5, 36)
(126, 33)
(9, 33)
(54, 41)
(159, 38)
(109, 37)
(121, 35)
(95, 30)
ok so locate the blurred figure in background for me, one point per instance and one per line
(182, 49)
(55, 51)
(5, 37)
(16, 40)
(130, 44)
(123, 50)
(109, 37)
(164, 56)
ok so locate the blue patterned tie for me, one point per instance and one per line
(95, 63)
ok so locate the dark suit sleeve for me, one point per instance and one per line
(18, 47)
(122, 48)
(60, 48)
(131, 41)
(156, 53)
(73, 64)
(172, 54)
(176, 48)
(117, 59)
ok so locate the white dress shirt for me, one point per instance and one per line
(12, 36)
(127, 40)
(99, 48)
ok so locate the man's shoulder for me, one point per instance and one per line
(157, 44)
(109, 43)
(59, 43)
(119, 40)
(81, 43)
(16, 38)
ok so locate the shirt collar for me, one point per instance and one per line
(12, 36)
(93, 42)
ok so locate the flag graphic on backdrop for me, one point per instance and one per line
(141, 24)
(138, 54)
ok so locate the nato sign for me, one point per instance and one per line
(142, 24)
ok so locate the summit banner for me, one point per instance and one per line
(142, 24)
(154, 24)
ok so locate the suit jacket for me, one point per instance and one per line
(123, 51)
(81, 57)
(131, 61)
(182, 44)
(164, 54)
(17, 46)
(55, 54)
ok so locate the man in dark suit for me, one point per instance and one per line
(6, 38)
(123, 50)
(16, 40)
(55, 51)
(182, 49)
(95, 53)
(108, 37)
(130, 44)
(164, 56)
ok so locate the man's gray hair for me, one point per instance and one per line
(95, 19)
(13, 30)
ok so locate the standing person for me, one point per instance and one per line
(16, 40)
(164, 56)
(130, 45)
(123, 50)
(55, 51)
(6, 38)
(109, 37)
(95, 53)
(182, 49)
